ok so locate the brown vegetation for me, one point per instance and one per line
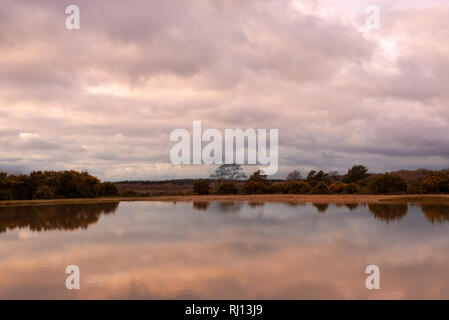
(53, 185)
(357, 181)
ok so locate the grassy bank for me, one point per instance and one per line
(245, 198)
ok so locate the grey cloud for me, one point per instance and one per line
(106, 97)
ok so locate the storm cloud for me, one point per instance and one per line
(106, 97)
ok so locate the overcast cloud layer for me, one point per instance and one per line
(106, 97)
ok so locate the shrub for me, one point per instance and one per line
(22, 187)
(320, 188)
(338, 187)
(106, 189)
(255, 187)
(276, 188)
(227, 188)
(4, 181)
(44, 192)
(435, 182)
(201, 187)
(352, 188)
(387, 183)
(72, 184)
(297, 187)
(365, 182)
(414, 187)
(5, 194)
(130, 193)
(52, 184)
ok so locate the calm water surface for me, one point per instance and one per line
(155, 250)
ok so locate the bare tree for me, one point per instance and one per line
(228, 172)
(294, 175)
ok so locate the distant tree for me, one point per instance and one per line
(44, 192)
(364, 182)
(22, 187)
(387, 183)
(435, 182)
(5, 191)
(353, 188)
(229, 172)
(106, 189)
(53, 184)
(297, 187)
(338, 187)
(227, 188)
(258, 176)
(4, 184)
(355, 174)
(294, 175)
(310, 175)
(130, 193)
(37, 177)
(276, 188)
(257, 184)
(314, 177)
(320, 188)
(201, 187)
(255, 187)
(74, 184)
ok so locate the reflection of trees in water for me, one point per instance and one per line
(294, 204)
(321, 207)
(226, 207)
(201, 205)
(230, 207)
(351, 206)
(54, 217)
(436, 212)
(255, 204)
(388, 212)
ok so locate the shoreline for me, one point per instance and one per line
(242, 198)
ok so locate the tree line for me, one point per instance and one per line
(357, 180)
(231, 180)
(53, 185)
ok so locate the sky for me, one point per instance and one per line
(106, 97)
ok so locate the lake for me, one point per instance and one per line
(229, 250)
